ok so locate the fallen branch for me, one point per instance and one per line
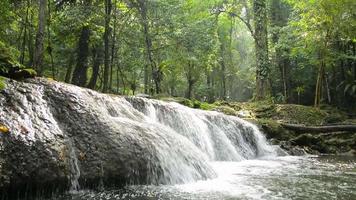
(319, 129)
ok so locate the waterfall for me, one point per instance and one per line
(74, 168)
(219, 137)
(121, 140)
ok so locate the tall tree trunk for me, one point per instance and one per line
(209, 83)
(117, 80)
(69, 69)
(261, 49)
(327, 87)
(223, 79)
(39, 49)
(156, 72)
(222, 70)
(97, 59)
(191, 81)
(24, 39)
(80, 72)
(189, 89)
(319, 85)
(146, 79)
(108, 6)
(113, 47)
(30, 40)
(284, 78)
(50, 47)
(353, 60)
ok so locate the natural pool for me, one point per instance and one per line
(309, 177)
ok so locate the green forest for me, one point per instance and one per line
(177, 99)
(286, 51)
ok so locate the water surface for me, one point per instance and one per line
(323, 177)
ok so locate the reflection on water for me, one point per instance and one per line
(323, 177)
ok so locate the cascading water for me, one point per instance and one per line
(74, 168)
(217, 136)
(120, 140)
(62, 136)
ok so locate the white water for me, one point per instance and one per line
(74, 167)
(215, 136)
(181, 153)
(219, 137)
(150, 141)
(279, 178)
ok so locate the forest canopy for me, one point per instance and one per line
(287, 51)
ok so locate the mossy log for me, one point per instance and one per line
(319, 129)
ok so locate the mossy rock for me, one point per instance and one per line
(299, 114)
(23, 73)
(273, 129)
(207, 106)
(196, 104)
(234, 105)
(260, 109)
(10, 68)
(185, 102)
(305, 140)
(2, 83)
(180, 100)
(226, 110)
(334, 115)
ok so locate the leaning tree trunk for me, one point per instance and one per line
(261, 45)
(80, 72)
(39, 49)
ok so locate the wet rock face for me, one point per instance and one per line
(61, 135)
(48, 121)
(28, 147)
(42, 117)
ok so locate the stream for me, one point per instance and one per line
(288, 177)
(66, 139)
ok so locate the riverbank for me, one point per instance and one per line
(271, 118)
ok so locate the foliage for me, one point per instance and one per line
(203, 51)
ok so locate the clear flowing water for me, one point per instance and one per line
(325, 177)
(242, 164)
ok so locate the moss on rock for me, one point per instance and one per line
(226, 110)
(274, 130)
(10, 68)
(2, 83)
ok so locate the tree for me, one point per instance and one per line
(39, 46)
(108, 7)
(261, 49)
(80, 72)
